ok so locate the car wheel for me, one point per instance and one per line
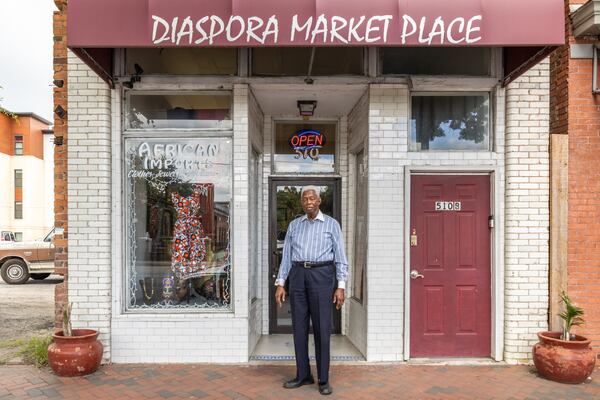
(39, 277)
(14, 272)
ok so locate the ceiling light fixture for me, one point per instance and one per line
(307, 107)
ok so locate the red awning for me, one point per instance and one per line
(110, 24)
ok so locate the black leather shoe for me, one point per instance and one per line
(296, 383)
(325, 389)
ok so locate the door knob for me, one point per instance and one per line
(414, 274)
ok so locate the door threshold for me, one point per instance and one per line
(455, 361)
(280, 349)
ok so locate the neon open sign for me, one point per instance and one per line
(307, 142)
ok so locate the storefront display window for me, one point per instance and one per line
(305, 147)
(177, 222)
(450, 122)
(160, 110)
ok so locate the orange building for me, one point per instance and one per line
(26, 175)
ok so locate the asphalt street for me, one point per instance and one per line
(27, 309)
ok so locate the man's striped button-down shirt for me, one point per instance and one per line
(315, 241)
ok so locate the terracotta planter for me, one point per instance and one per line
(563, 361)
(75, 355)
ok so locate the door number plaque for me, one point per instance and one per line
(447, 206)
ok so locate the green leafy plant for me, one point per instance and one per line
(572, 315)
(32, 350)
(35, 350)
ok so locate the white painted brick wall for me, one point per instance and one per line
(385, 306)
(89, 203)
(527, 211)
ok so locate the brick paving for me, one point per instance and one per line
(124, 382)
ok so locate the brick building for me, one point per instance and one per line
(26, 175)
(575, 133)
(435, 161)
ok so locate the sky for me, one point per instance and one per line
(26, 68)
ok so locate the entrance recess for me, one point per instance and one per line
(450, 299)
(284, 206)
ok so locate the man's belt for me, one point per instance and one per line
(311, 264)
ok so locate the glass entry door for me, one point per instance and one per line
(284, 206)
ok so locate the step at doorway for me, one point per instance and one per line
(281, 348)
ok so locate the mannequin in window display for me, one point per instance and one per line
(188, 248)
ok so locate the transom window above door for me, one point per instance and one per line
(450, 121)
(305, 147)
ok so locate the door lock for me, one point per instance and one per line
(413, 238)
(414, 274)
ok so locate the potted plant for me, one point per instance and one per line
(74, 352)
(563, 356)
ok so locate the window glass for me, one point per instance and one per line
(305, 147)
(473, 61)
(178, 202)
(18, 210)
(179, 111)
(18, 150)
(18, 236)
(18, 178)
(360, 229)
(182, 61)
(295, 61)
(450, 122)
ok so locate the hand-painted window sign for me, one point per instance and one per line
(307, 142)
(447, 206)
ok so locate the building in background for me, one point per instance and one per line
(26, 175)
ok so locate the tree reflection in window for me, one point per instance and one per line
(450, 122)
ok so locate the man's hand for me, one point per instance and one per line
(280, 295)
(338, 298)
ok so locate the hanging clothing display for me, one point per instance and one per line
(188, 248)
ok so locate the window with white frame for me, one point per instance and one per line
(178, 199)
(450, 121)
(177, 110)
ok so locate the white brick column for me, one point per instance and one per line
(527, 212)
(89, 188)
(385, 285)
(239, 233)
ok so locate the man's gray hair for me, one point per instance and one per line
(313, 188)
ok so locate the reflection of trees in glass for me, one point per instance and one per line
(434, 115)
(289, 205)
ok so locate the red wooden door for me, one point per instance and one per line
(450, 305)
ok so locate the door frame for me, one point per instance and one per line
(496, 250)
(272, 221)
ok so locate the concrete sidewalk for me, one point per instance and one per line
(382, 382)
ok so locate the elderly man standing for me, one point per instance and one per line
(313, 261)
